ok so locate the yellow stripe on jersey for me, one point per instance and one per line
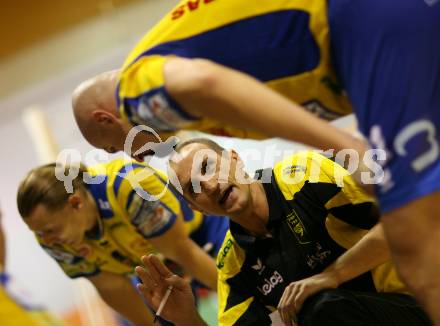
(231, 253)
(144, 74)
(292, 173)
(217, 30)
(232, 315)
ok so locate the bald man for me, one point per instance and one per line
(194, 71)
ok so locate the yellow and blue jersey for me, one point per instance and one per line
(135, 204)
(283, 43)
(316, 213)
(14, 311)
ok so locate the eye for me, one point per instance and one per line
(191, 189)
(207, 167)
(204, 167)
(111, 150)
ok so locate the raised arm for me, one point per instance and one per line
(180, 307)
(204, 88)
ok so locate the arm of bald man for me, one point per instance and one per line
(118, 292)
(204, 88)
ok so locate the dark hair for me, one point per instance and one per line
(41, 186)
(205, 141)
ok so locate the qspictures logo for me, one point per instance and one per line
(207, 164)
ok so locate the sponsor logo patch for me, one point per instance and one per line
(259, 267)
(318, 257)
(157, 112)
(317, 108)
(270, 283)
(148, 216)
(224, 252)
(297, 227)
(292, 169)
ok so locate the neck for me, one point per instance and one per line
(255, 218)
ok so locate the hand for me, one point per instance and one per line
(297, 292)
(156, 277)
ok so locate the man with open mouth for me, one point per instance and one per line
(303, 240)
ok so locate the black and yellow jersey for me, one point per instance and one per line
(316, 213)
(283, 43)
(135, 204)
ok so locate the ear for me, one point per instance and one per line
(75, 201)
(104, 117)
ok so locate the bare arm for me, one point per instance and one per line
(207, 89)
(176, 245)
(118, 292)
(371, 251)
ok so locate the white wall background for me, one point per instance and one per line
(90, 49)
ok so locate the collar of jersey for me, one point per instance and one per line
(272, 195)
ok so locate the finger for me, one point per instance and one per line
(143, 275)
(149, 296)
(290, 307)
(283, 304)
(153, 289)
(152, 271)
(301, 296)
(289, 311)
(160, 267)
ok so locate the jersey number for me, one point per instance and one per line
(412, 130)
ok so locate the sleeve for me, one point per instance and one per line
(318, 180)
(144, 196)
(72, 265)
(237, 305)
(143, 99)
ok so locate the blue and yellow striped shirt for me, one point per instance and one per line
(283, 43)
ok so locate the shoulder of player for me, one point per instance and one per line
(302, 166)
(122, 173)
